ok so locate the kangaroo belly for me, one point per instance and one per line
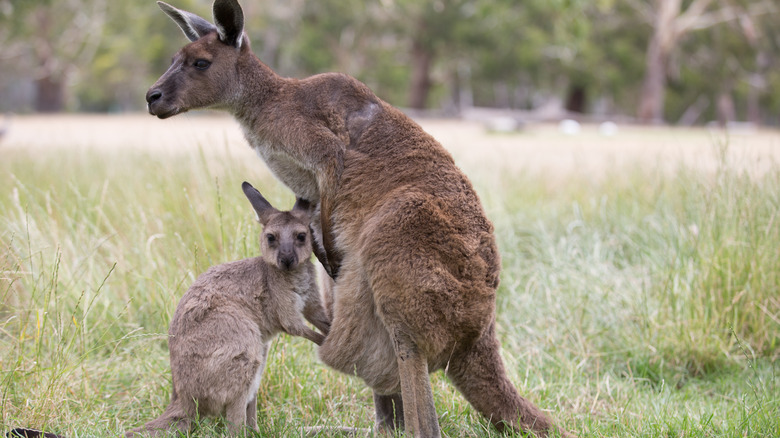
(369, 356)
(358, 342)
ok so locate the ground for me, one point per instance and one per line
(540, 149)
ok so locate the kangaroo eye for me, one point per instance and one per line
(270, 238)
(301, 237)
(201, 64)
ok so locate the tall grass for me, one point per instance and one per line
(645, 304)
(685, 267)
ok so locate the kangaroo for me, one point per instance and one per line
(400, 228)
(223, 325)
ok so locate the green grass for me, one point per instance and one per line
(646, 304)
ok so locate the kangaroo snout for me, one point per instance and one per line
(155, 105)
(152, 96)
(287, 262)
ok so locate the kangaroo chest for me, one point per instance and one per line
(285, 167)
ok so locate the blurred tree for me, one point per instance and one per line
(423, 30)
(707, 83)
(671, 20)
(612, 58)
(432, 28)
(541, 54)
(52, 39)
(273, 25)
(586, 56)
(763, 38)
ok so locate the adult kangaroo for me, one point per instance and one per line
(403, 232)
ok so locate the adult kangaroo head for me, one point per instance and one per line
(286, 239)
(202, 74)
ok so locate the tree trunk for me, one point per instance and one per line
(576, 99)
(757, 85)
(50, 94)
(753, 100)
(651, 101)
(420, 85)
(726, 111)
(49, 86)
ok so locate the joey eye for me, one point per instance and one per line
(270, 238)
(301, 237)
(201, 64)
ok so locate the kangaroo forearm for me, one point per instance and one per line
(308, 333)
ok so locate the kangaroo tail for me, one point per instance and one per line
(175, 418)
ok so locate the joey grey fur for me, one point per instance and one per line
(221, 330)
(400, 228)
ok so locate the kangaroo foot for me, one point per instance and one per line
(389, 412)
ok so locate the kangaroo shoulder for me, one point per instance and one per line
(239, 271)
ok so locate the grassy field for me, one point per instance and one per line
(640, 293)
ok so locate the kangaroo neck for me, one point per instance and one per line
(269, 115)
(260, 90)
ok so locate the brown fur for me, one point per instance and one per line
(223, 325)
(403, 231)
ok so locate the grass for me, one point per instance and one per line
(645, 304)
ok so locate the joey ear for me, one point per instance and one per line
(302, 205)
(262, 207)
(192, 25)
(229, 19)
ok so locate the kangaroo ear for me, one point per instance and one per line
(229, 19)
(262, 207)
(193, 26)
(302, 205)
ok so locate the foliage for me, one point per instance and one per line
(484, 52)
(48, 41)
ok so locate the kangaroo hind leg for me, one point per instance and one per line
(419, 410)
(236, 416)
(251, 414)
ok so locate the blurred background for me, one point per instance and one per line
(681, 62)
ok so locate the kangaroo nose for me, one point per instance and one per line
(153, 95)
(287, 262)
